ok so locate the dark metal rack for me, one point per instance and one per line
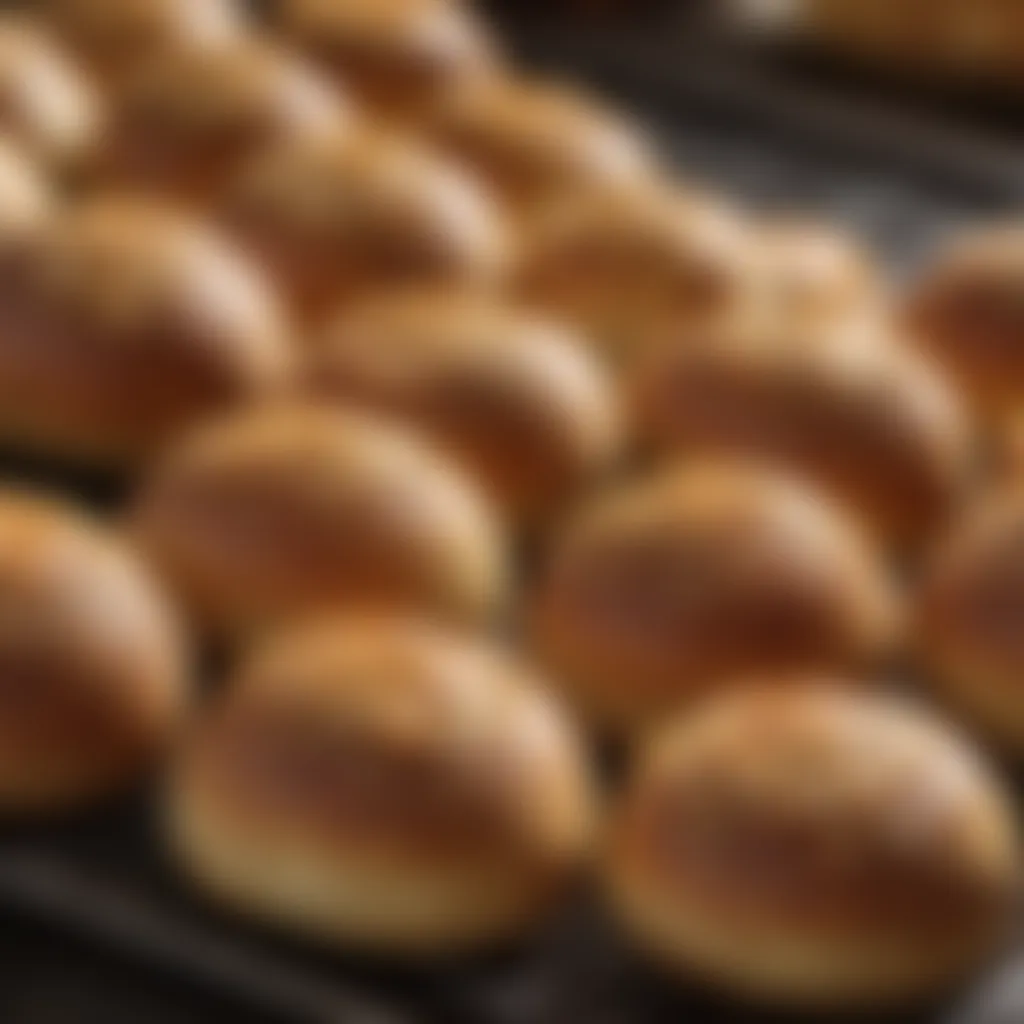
(903, 180)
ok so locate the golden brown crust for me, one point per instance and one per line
(513, 397)
(966, 313)
(391, 742)
(806, 842)
(539, 143)
(970, 622)
(26, 196)
(816, 273)
(92, 671)
(46, 104)
(117, 37)
(872, 424)
(186, 122)
(277, 511)
(630, 264)
(401, 57)
(336, 218)
(674, 586)
(120, 324)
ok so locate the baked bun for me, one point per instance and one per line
(966, 312)
(93, 678)
(187, 122)
(519, 401)
(808, 844)
(537, 144)
(335, 218)
(274, 512)
(26, 196)
(673, 586)
(114, 38)
(630, 264)
(870, 423)
(971, 614)
(122, 323)
(46, 104)
(401, 57)
(384, 783)
(816, 273)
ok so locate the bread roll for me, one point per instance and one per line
(870, 423)
(966, 312)
(114, 38)
(120, 324)
(92, 671)
(188, 121)
(273, 512)
(673, 586)
(401, 57)
(537, 144)
(26, 196)
(971, 614)
(383, 783)
(518, 400)
(333, 219)
(46, 104)
(814, 846)
(815, 273)
(631, 264)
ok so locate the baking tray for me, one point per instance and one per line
(901, 180)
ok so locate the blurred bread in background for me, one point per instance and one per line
(966, 311)
(262, 516)
(959, 40)
(816, 273)
(518, 400)
(114, 38)
(814, 846)
(94, 673)
(335, 219)
(400, 57)
(184, 124)
(46, 103)
(970, 615)
(540, 143)
(627, 265)
(27, 196)
(384, 783)
(869, 422)
(672, 587)
(122, 322)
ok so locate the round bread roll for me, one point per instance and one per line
(335, 218)
(401, 57)
(114, 38)
(871, 424)
(671, 587)
(120, 324)
(26, 197)
(967, 313)
(630, 264)
(537, 144)
(519, 401)
(808, 844)
(187, 122)
(274, 512)
(816, 273)
(46, 104)
(384, 783)
(93, 679)
(970, 622)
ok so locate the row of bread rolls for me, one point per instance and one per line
(350, 364)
